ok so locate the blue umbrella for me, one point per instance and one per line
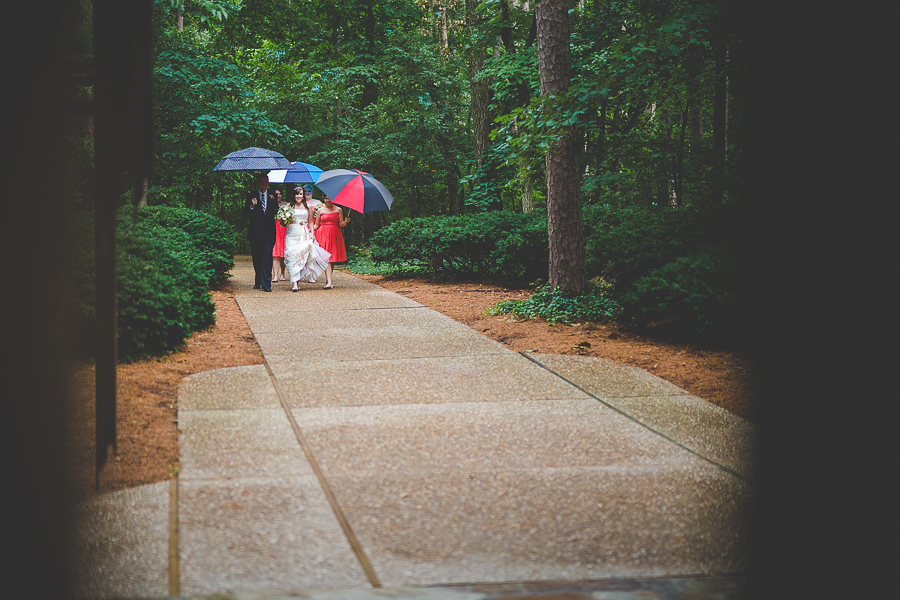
(300, 172)
(253, 159)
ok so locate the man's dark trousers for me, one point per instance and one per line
(261, 234)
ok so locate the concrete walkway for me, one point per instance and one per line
(384, 447)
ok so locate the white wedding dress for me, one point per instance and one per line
(303, 256)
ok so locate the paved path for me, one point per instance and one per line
(383, 447)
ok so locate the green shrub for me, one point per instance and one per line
(674, 266)
(163, 289)
(693, 293)
(162, 279)
(622, 244)
(213, 239)
(556, 307)
(490, 244)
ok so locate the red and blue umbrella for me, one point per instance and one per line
(355, 189)
(300, 172)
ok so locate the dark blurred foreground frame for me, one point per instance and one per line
(37, 43)
(817, 139)
(818, 156)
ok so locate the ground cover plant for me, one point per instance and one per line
(556, 307)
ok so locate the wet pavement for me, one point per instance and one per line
(385, 450)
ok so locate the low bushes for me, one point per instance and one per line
(491, 244)
(672, 267)
(212, 239)
(675, 267)
(692, 292)
(167, 259)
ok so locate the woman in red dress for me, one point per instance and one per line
(329, 222)
(278, 250)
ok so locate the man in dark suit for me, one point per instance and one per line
(260, 210)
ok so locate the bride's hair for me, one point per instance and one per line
(298, 191)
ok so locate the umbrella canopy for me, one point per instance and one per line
(300, 172)
(355, 189)
(253, 159)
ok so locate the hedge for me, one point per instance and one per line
(674, 266)
(491, 244)
(167, 259)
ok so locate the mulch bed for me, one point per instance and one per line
(147, 403)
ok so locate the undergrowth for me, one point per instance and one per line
(555, 307)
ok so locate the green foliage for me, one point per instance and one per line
(492, 244)
(641, 99)
(625, 243)
(162, 290)
(163, 279)
(556, 307)
(207, 106)
(693, 292)
(673, 266)
(212, 239)
(363, 264)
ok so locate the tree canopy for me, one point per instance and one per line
(442, 101)
(387, 87)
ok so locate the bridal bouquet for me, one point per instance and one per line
(285, 214)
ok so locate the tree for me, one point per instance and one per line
(480, 106)
(567, 265)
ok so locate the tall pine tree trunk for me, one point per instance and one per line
(567, 264)
(481, 92)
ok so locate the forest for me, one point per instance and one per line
(442, 101)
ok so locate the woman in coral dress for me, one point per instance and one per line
(329, 222)
(305, 259)
(278, 250)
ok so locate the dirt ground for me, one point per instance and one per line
(147, 424)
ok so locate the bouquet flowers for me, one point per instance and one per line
(285, 215)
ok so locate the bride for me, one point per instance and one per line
(303, 256)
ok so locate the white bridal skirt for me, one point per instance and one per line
(303, 256)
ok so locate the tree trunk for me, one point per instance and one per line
(442, 26)
(566, 237)
(719, 122)
(679, 169)
(142, 201)
(481, 92)
(505, 28)
(527, 193)
(693, 99)
(527, 186)
(452, 182)
(370, 88)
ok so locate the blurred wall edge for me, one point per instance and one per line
(36, 40)
(818, 156)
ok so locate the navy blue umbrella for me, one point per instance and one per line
(300, 172)
(253, 159)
